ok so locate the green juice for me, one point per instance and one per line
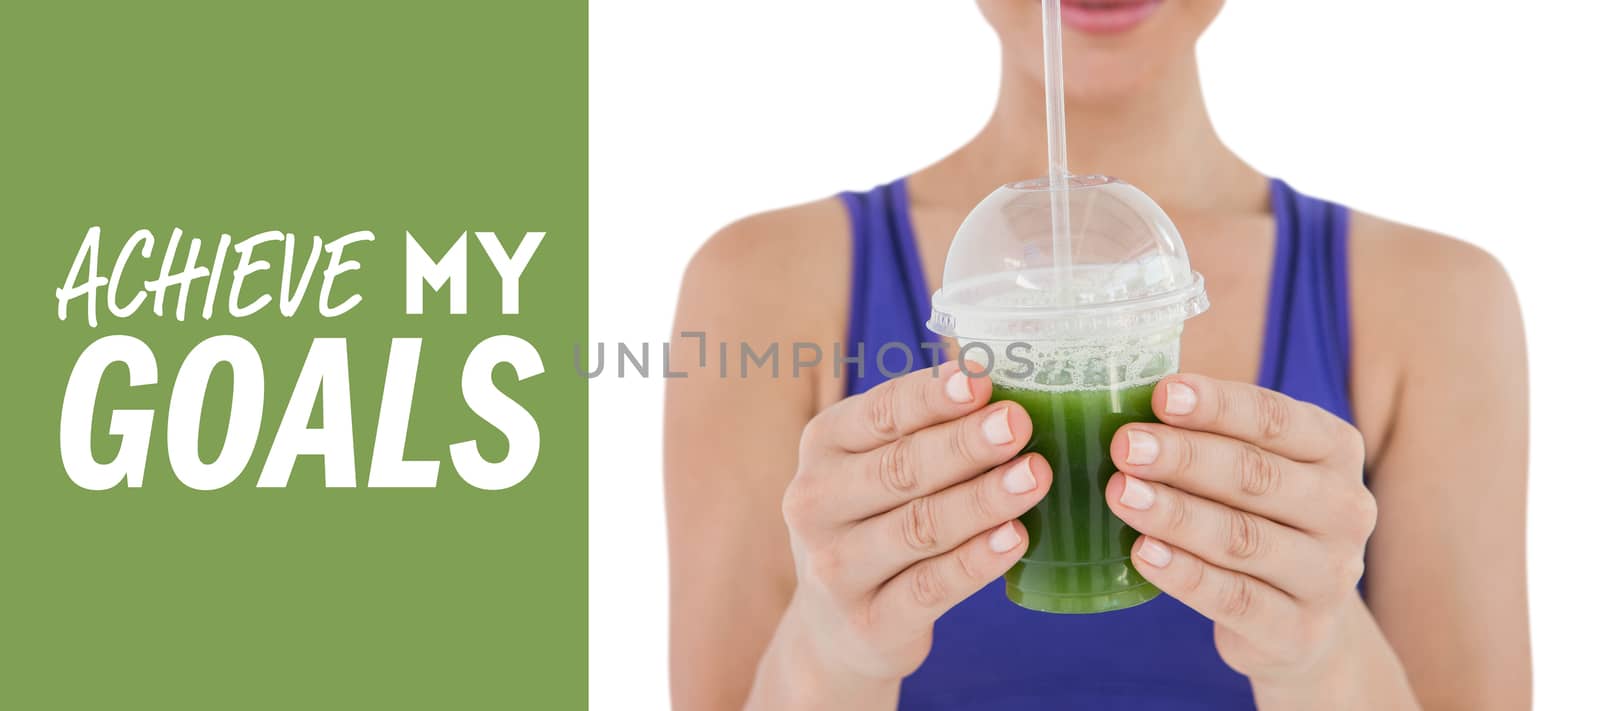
(1078, 550)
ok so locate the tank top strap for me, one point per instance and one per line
(889, 306)
(1306, 344)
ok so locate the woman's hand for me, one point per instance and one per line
(1253, 512)
(904, 504)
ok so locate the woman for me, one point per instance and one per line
(837, 539)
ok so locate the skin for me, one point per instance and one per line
(802, 522)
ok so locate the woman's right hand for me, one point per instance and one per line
(904, 504)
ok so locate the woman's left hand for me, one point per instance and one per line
(1254, 514)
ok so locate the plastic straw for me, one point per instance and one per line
(1056, 139)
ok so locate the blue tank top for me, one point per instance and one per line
(990, 654)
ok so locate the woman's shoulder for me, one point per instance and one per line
(787, 267)
(778, 237)
(1419, 253)
(1428, 273)
(1425, 305)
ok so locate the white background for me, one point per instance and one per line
(1475, 119)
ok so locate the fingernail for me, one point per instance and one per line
(1019, 478)
(997, 427)
(958, 388)
(1004, 538)
(1181, 399)
(1142, 447)
(1136, 494)
(1155, 553)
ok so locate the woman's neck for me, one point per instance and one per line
(1159, 138)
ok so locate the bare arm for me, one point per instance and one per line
(1444, 622)
(730, 451)
(1448, 581)
(1256, 509)
(812, 553)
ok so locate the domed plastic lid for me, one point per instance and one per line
(1123, 271)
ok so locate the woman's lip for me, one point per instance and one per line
(1106, 16)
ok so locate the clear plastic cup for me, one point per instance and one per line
(1076, 327)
